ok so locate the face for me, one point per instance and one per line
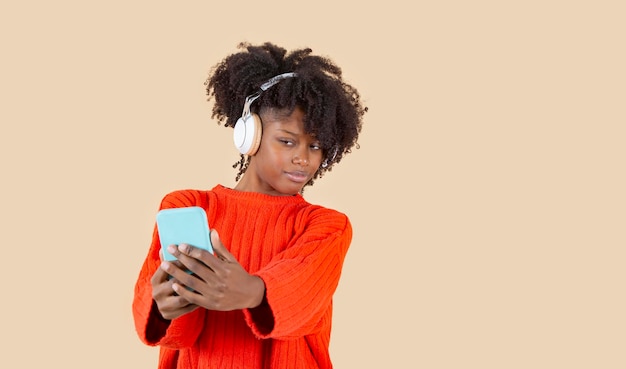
(287, 158)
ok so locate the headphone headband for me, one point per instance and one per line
(274, 80)
(269, 83)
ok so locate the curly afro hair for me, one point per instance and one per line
(332, 108)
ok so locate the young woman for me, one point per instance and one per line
(263, 299)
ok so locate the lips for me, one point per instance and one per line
(298, 176)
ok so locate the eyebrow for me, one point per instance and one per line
(297, 134)
(287, 131)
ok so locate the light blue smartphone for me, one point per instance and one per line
(183, 225)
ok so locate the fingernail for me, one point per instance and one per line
(171, 249)
(183, 247)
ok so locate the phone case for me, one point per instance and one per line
(183, 225)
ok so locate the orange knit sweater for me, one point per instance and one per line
(297, 249)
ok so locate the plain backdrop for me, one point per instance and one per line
(487, 195)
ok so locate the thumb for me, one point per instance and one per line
(219, 249)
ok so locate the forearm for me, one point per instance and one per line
(157, 325)
(299, 290)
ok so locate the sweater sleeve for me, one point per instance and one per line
(151, 327)
(301, 280)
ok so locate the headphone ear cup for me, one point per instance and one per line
(247, 134)
(257, 132)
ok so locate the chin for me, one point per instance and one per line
(291, 193)
(290, 190)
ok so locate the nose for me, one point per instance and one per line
(301, 159)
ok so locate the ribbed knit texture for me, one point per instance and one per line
(297, 249)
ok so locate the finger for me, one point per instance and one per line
(192, 258)
(193, 252)
(175, 271)
(204, 265)
(173, 314)
(192, 294)
(198, 260)
(174, 306)
(186, 292)
(158, 277)
(219, 249)
(185, 278)
(162, 292)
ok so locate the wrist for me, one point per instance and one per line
(258, 289)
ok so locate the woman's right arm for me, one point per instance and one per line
(162, 318)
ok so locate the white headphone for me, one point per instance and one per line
(247, 133)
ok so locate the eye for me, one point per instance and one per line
(285, 141)
(316, 146)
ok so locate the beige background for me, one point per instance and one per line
(487, 196)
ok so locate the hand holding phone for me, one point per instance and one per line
(183, 225)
